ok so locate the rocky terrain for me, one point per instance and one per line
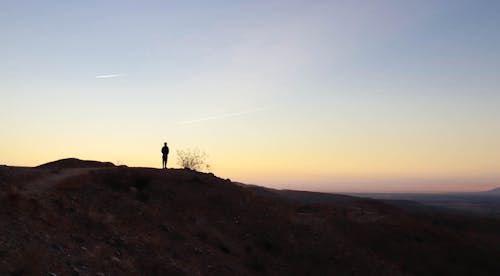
(73, 217)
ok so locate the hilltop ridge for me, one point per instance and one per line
(144, 221)
(75, 163)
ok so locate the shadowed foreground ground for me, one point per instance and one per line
(137, 221)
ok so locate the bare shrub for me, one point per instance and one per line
(193, 159)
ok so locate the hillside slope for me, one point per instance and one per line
(138, 221)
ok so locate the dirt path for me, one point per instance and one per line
(51, 178)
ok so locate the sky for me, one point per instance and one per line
(336, 96)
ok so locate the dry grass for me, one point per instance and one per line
(126, 221)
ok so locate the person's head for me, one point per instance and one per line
(165, 143)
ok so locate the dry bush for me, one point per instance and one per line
(193, 159)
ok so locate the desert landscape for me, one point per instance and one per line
(294, 137)
(74, 217)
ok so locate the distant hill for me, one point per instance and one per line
(302, 197)
(75, 163)
(494, 191)
(306, 197)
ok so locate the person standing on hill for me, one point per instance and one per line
(164, 151)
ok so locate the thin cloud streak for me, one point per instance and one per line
(108, 76)
(217, 117)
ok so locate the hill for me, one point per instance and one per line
(140, 221)
(494, 191)
(75, 163)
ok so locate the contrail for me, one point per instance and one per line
(221, 116)
(108, 76)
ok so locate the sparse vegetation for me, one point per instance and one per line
(193, 159)
(140, 221)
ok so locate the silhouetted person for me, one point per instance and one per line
(164, 151)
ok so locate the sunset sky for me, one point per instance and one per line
(392, 96)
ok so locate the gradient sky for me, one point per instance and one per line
(312, 95)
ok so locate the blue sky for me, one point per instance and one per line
(282, 93)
